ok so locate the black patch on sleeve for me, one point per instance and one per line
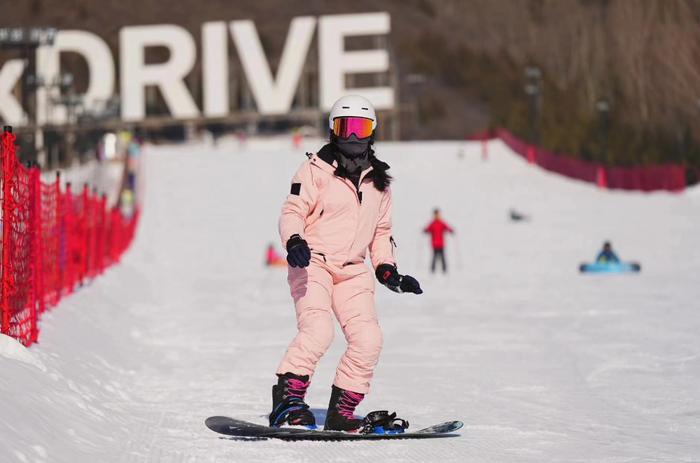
(296, 189)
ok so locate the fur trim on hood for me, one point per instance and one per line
(379, 175)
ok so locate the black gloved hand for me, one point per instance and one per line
(298, 252)
(390, 277)
(410, 285)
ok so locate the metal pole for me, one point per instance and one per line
(533, 88)
(603, 108)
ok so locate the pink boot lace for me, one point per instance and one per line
(297, 388)
(348, 402)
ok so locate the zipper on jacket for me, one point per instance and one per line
(358, 197)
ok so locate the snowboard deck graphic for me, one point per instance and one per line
(245, 429)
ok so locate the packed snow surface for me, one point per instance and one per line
(541, 363)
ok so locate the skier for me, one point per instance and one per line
(516, 216)
(437, 229)
(339, 206)
(607, 255)
(272, 259)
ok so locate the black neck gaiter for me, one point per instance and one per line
(353, 153)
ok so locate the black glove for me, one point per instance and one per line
(298, 252)
(390, 277)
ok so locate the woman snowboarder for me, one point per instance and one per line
(339, 206)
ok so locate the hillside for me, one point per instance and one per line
(639, 56)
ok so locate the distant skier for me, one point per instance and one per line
(437, 229)
(607, 255)
(516, 216)
(272, 259)
(339, 206)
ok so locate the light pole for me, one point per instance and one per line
(71, 101)
(603, 108)
(416, 82)
(533, 89)
(27, 40)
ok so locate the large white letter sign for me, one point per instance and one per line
(11, 111)
(215, 69)
(336, 62)
(168, 76)
(273, 97)
(100, 72)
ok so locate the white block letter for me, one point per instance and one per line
(100, 71)
(11, 111)
(215, 69)
(335, 62)
(168, 76)
(273, 97)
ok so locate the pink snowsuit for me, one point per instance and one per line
(339, 223)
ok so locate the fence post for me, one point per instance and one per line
(7, 152)
(68, 234)
(91, 224)
(84, 236)
(39, 239)
(61, 237)
(102, 251)
(37, 249)
(116, 234)
(530, 152)
(601, 178)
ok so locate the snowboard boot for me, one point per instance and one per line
(288, 406)
(340, 411)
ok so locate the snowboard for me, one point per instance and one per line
(245, 429)
(610, 267)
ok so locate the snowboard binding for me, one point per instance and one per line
(383, 422)
(288, 406)
(293, 413)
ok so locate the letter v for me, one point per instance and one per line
(273, 96)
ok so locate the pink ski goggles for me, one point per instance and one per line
(343, 127)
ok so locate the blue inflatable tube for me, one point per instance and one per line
(610, 267)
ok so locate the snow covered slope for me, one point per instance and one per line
(541, 363)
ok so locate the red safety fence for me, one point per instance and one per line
(52, 241)
(667, 177)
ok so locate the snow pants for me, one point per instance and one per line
(438, 254)
(320, 291)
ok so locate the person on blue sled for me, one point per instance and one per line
(607, 255)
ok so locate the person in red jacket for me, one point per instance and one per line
(437, 229)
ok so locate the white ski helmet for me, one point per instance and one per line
(353, 106)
